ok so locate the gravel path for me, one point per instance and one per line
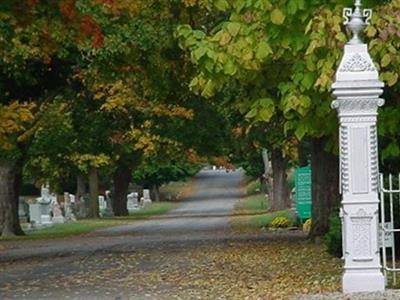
(189, 253)
(207, 210)
(204, 216)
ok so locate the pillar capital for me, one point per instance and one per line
(357, 87)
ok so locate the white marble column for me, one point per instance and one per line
(357, 90)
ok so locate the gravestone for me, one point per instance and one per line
(102, 202)
(35, 213)
(68, 212)
(41, 207)
(80, 206)
(22, 215)
(45, 220)
(146, 199)
(56, 210)
(44, 200)
(133, 201)
(108, 212)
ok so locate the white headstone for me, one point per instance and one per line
(45, 220)
(69, 215)
(146, 197)
(108, 212)
(41, 207)
(35, 213)
(132, 201)
(45, 196)
(21, 211)
(102, 203)
(57, 213)
(357, 89)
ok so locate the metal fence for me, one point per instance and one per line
(389, 190)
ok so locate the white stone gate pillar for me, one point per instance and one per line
(357, 90)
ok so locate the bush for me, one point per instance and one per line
(307, 226)
(280, 222)
(333, 239)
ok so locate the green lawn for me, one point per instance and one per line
(89, 225)
(252, 204)
(252, 215)
(253, 187)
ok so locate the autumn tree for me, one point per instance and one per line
(299, 42)
(30, 75)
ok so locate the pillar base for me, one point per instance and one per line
(363, 282)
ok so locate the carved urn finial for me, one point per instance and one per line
(356, 20)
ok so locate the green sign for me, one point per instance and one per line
(303, 192)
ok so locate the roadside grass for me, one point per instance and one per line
(257, 223)
(253, 187)
(251, 212)
(176, 191)
(155, 208)
(88, 225)
(256, 203)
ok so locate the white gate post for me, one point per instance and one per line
(357, 90)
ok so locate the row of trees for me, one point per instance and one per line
(279, 58)
(93, 91)
(123, 91)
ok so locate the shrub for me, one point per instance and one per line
(280, 222)
(307, 226)
(333, 239)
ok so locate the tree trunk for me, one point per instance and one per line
(10, 183)
(266, 179)
(304, 153)
(94, 193)
(156, 192)
(80, 207)
(280, 192)
(122, 177)
(325, 187)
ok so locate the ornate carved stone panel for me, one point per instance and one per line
(374, 158)
(357, 106)
(361, 229)
(344, 159)
(357, 63)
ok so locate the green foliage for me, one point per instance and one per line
(153, 172)
(86, 84)
(333, 239)
(304, 41)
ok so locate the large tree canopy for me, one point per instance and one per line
(140, 90)
(286, 52)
